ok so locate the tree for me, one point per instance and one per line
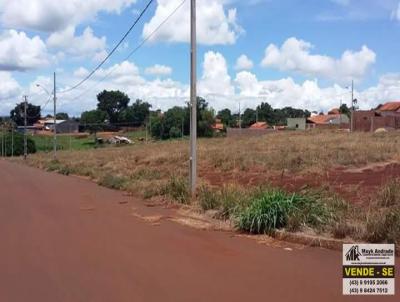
(32, 113)
(226, 117)
(248, 117)
(205, 118)
(62, 116)
(265, 113)
(93, 121)
(113, 103)
(169, 124)
(345, 110)
(136, 114)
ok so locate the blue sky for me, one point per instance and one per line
(293, 53)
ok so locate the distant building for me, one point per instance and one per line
(389, 109)
(298, 123)
(218, 126)
(62, 126)
(259, 125)
(327, 121)
(385, 116)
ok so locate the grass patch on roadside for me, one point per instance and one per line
(113, 182)
(177, 188)
(383, 218)
(276, 209)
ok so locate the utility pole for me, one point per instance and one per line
(12, 139)
(352, 107)
(55, 119)
(240, 117)
(25, 138)
(2, 140)
(193, 100)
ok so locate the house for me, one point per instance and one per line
(296, 123)
(386, 116)
(389, 109)
(259, 125)
(218, 126)
(62, 126)
(327, 121)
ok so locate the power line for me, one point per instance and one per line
(112, 51)
(140, 45)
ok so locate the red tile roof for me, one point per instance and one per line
(218, 126)
(259, 125)
(323, 119)
(390, 106)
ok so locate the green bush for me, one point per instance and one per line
(208, 199)
(384, 226)
(113, 181)
(177, 188)
(18, 144)
(275, 209)
(389, 194)
(175, 132)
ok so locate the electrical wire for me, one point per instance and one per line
(112, 51)
(140, 45)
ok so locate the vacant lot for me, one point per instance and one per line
(351, 175)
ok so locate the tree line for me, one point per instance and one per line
(114, 110)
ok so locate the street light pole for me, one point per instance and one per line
(25, 123)
(193, 100)
(55, 119)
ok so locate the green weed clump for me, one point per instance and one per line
(226, 201)
(384, 226)
(113, 181)
(389, 195)
(178, 189)
(276, 209)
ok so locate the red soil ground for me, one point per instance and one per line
(355, 185)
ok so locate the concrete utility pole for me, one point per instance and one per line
(25, 123)
(55, 119)
(193, 100)
(240, 117)
(2, 140)
(352, 107)
(12, 139)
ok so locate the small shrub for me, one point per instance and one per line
(383, 226)
(53, 165)
(112, 181)
(389, 194)
(177, 188)
(208, 199)
(17, 140)
(277, 209)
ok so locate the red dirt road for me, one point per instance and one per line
(65, 239)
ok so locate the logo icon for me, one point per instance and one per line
(353, 254)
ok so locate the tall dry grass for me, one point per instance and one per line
(146, 168)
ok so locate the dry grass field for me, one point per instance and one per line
(348, 171)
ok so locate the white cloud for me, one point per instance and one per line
(244, 63)
(85, 45)
(19, 52)
(215, 79)
(10, 92)
(215, 85)
(51, 16)
(396, 13)
(294, 55)
(159, 70)
(215, 24)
